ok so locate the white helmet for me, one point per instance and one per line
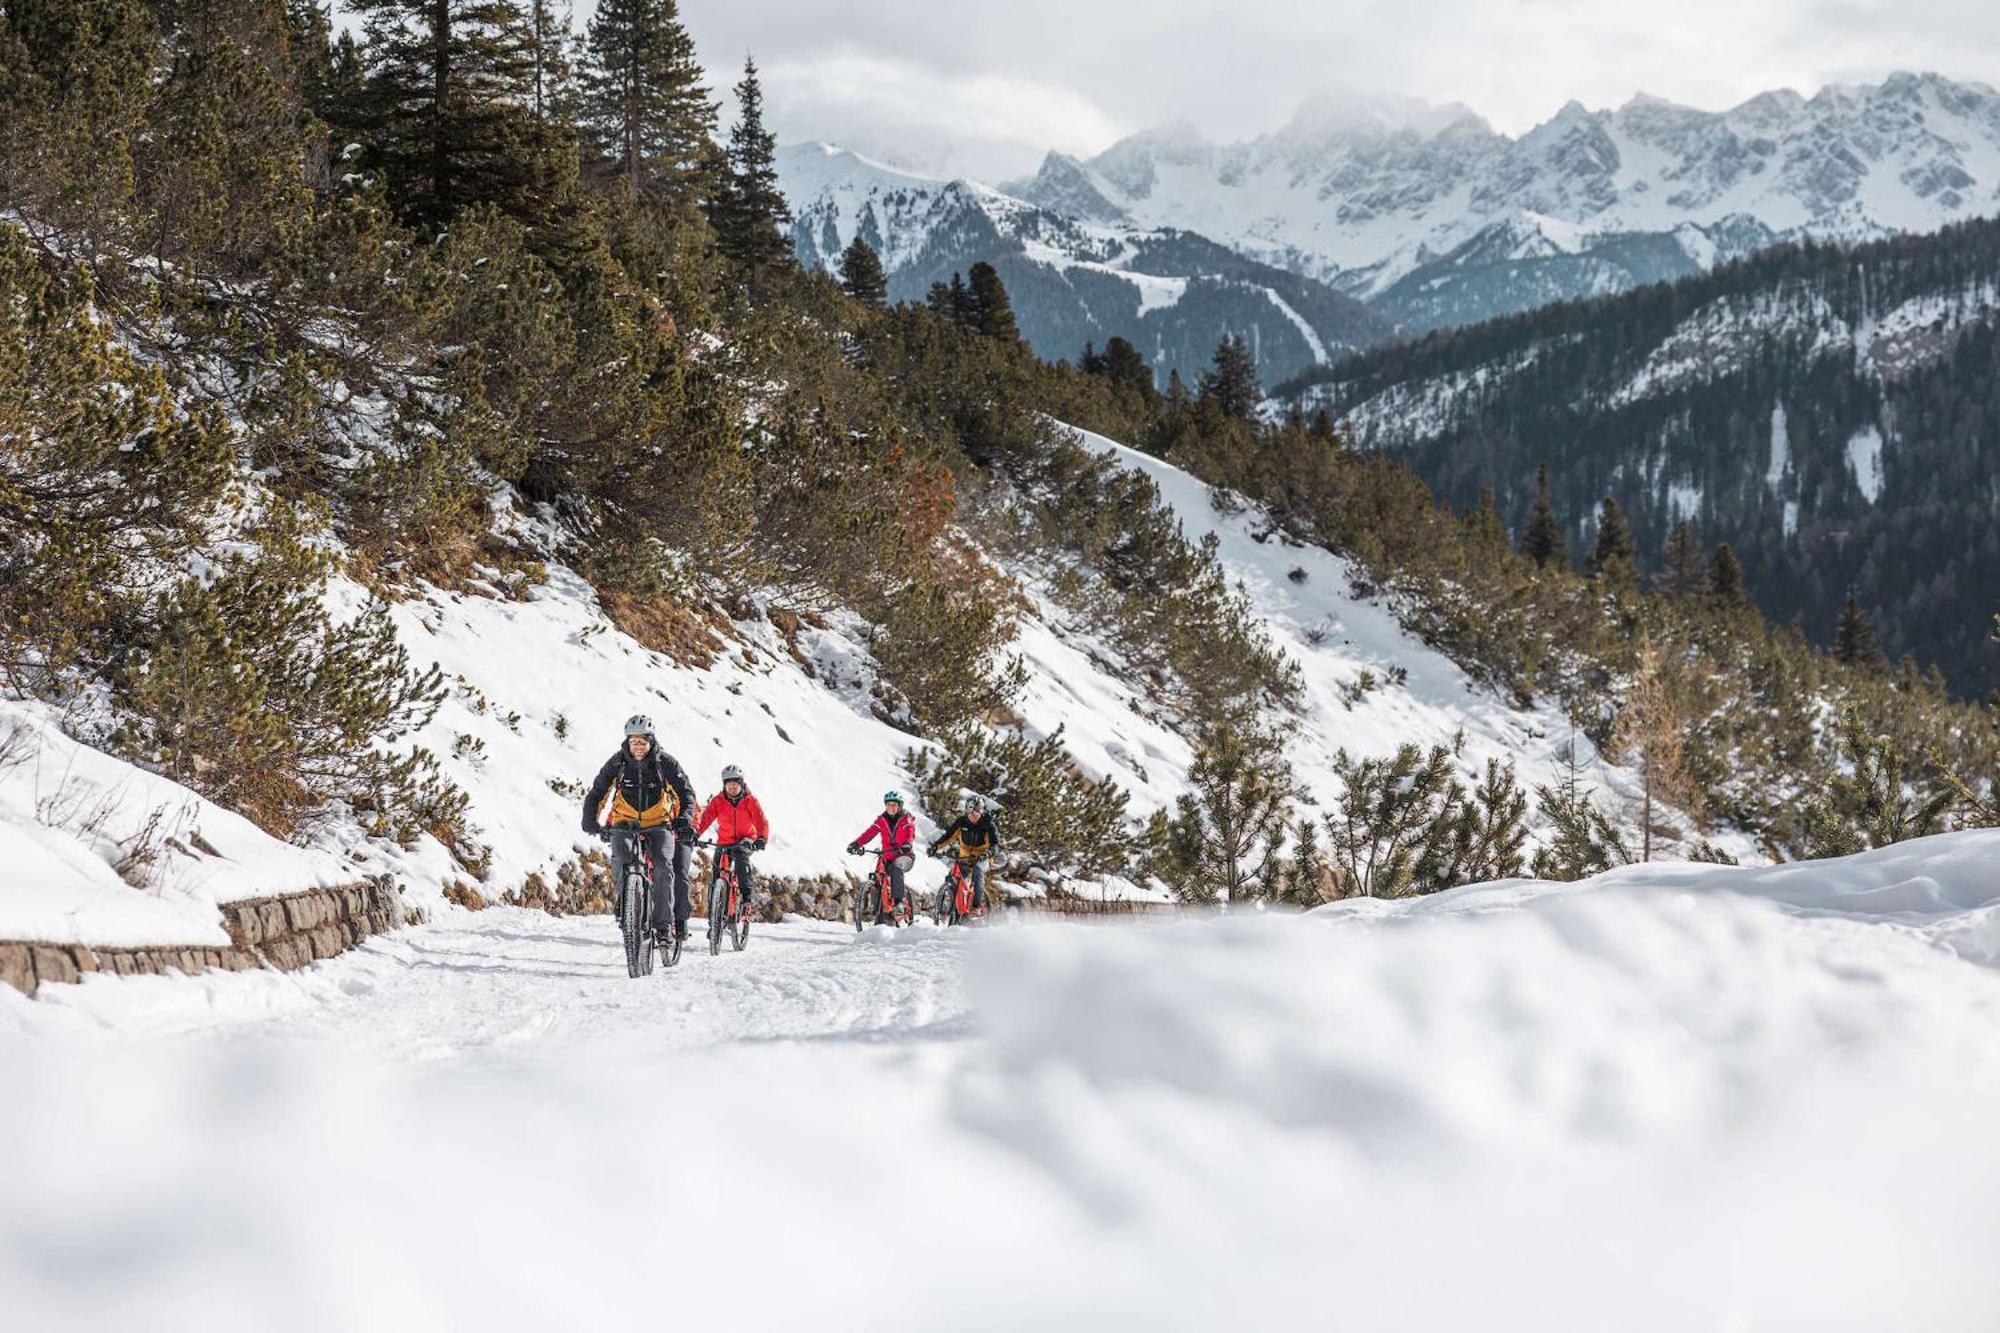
(638, 725)
(974, 802)
(731, 773)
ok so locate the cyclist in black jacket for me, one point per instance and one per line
(642, 784)
(978, 838)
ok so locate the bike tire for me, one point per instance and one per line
(861, 893)
(942, 913)
(718, 915)
(741, 935)
(635, 922)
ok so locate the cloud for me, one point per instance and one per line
(985, 87)
(928, 118)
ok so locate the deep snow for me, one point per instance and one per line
(1677, 1097)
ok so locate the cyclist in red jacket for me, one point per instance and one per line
(898, 831)
(740, 826)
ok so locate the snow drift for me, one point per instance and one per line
(1671, 1098)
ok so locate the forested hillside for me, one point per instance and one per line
(297, 331)
(1829, 412)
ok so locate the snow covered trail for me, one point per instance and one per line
(1674, 1098)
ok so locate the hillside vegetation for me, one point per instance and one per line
(294, 327)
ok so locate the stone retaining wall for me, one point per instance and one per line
(286, 932)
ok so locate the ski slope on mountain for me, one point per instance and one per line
(1672, 1098)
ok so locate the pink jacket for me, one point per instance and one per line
(899, 837)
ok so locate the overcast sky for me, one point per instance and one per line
(985, 88)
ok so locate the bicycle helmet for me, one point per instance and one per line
(974, 803)
(731, 773)
(892, 795)
(638, 725)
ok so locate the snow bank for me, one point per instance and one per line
(71, 816)
(1673, 1098)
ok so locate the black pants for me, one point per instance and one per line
(739, 855)
(670, 865)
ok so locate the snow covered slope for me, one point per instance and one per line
(1670, 1099)
(95, 851)
(539, 688)
(1441, 220)
(1072, 279)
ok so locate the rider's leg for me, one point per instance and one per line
(978, 885)
(742, 856)
(683, 860)
(621, 859)
(896, 878)
(659, 846)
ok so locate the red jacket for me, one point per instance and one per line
(735, 821)
(899, 837)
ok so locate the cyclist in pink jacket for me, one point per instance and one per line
(898, 832)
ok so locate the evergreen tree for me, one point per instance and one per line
(1585, 841)
(1725, 577)
(1612, 558)
(861, 274)
(1542, 539)
(751, 215)
(1681, 573)
(554, 103)
(992, 314)
(1399, 826)
(1091, 363)
(1231, 384)
(642, 99)
(1854, 641)
(939, 301)
(1178, 397)
(450, 92)
(1125, 367)
(958, 297)
(1872, 798)
(310, 27)
(1231, 824)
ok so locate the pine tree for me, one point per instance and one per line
(1231, 384)
(451, 84)
(1854, 641)
(992, 313)
(1125, 367)
(643, 102)
(1612, 558)
(1177, 395)
(1399, 826)
(1725, 578)
(751, 213)
(958, 297)
(1542, 539)
(1485, 534)
(861, 274)
(1585, 841)
(1231, 824)
(1872, 797)
(1681, 573)
(554, 102)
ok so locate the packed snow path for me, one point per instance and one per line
(1640, 1104)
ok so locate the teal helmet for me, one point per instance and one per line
(892, 796)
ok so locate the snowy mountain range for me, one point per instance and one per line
(1437, 219)
(1072, 279)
